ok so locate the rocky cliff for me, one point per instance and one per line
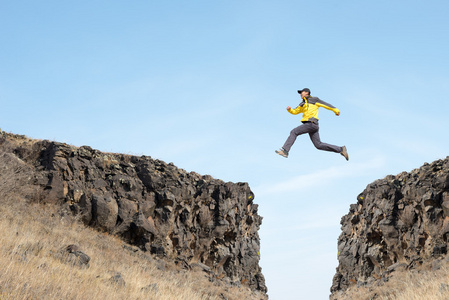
(399, 222)
(192, 220)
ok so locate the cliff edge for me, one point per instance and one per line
(195, 221)
(398, 223)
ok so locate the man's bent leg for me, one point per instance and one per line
(304, 128)
(315, 137)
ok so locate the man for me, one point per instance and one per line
(309, 108)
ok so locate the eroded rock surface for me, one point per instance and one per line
(399, 222)
(183, 216)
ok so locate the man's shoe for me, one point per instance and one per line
(344, 152)
(282, 152)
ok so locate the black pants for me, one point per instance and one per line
(312, 129)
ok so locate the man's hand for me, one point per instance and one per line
(288, 108)
(338, 113)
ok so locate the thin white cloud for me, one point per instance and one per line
(422, 146)
(321, 177)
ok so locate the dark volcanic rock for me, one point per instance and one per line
(399, 222)
(117, 280)
(156, 206)
(72, 255)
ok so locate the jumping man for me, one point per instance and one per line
(309, 108)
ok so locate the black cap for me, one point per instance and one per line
(304, 90)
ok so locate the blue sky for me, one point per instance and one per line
(205, 84)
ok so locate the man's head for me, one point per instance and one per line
(304, 92)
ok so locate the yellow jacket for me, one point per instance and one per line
(309, 108)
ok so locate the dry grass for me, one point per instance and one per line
(423, 284)
(431, 285)
(32, 236)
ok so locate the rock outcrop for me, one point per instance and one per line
(399, 222)
(181, 216)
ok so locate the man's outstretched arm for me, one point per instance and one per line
(328, 106)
